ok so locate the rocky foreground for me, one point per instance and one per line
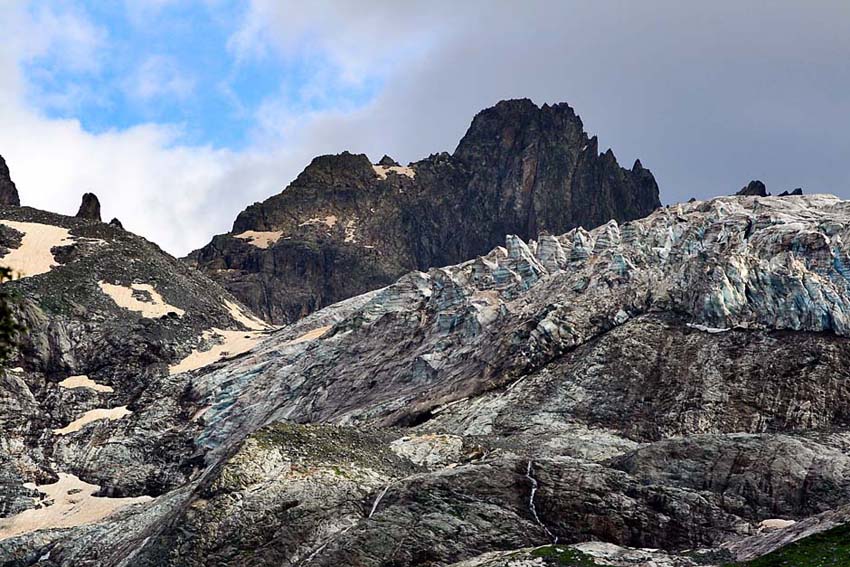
(669, 391)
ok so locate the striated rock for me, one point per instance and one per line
(800, 467)
(344, 226)
(754, 189)
(89, 208)
(8, 191)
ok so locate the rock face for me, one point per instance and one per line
(346, 226)
(8, 191)
(667, 391)
(758, 189)
(106, 313)
(89, 208)
(755, 189)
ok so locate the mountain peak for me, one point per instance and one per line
(336, 169)
(518, 121)
(345, 226)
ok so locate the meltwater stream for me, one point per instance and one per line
(532, 507)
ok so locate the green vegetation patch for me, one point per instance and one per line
(564, 556)
(332, 446)
(826, 549)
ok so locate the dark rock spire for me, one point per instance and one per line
(8, 191)
(89, 208)
(754, 188)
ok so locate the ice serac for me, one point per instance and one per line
(89, 207)
(8, 192)
(346, 226)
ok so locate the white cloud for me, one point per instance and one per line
(63, 33)
(160, 76)
(361, 40)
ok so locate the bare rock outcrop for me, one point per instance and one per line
(8, 192)
(89, 208)
(754, 189)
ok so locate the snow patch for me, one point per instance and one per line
(260, 239)
(310, 335)
(329, 221)
(382, 170)
(125, 296)
(248, 320)
(230, 343)
(91, 416)
(775, 524)
(34, 256)
(83, 381)
(350, 228)
(69, 502)
(706, 329)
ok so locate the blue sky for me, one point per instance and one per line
(174, 63)
(180, 113)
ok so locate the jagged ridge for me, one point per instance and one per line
(344, 226)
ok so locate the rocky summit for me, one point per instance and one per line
(346, 226)
(669, 391)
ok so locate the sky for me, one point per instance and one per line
(180, 113)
